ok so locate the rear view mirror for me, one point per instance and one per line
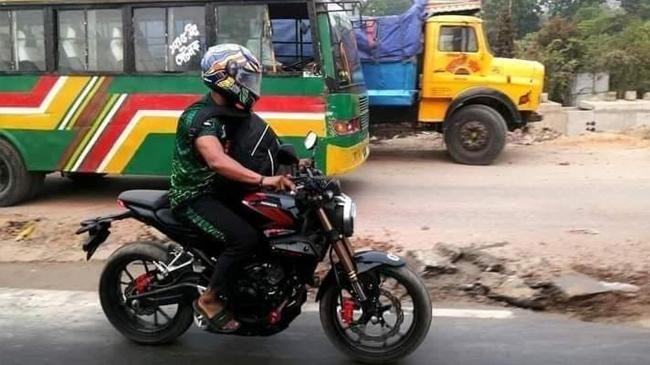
(311, 140)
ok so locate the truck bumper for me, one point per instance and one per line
(533, 117)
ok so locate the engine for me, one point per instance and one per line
(261, 288)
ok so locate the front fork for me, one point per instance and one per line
(344, 252)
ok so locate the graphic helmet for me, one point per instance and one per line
(234, 72)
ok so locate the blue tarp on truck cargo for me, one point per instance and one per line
(388, 48)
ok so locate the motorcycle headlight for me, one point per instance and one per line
(346, 211)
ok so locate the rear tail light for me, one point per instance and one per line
(349, 127)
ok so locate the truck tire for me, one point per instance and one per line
(16, 182)
(475, 135)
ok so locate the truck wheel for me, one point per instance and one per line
(16, 182)
(475, 135)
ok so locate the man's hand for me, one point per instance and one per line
(278, 183)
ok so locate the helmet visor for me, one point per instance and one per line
(250, 80)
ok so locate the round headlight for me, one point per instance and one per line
(346, 212)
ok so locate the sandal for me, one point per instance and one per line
(219, 321)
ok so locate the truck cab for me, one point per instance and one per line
(458, 63)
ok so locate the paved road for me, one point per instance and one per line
(66, 327)
(570, 205)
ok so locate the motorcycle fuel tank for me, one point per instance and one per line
(278, 210)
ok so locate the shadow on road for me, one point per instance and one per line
(408, 155)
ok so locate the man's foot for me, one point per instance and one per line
(215, 312)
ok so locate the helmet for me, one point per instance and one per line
(232, 71)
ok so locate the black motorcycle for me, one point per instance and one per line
(372, 306)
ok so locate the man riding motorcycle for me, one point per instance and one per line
(202, 192)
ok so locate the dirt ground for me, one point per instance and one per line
(548, 205)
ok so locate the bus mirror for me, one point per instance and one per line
(311, 140)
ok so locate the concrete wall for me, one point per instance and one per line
(589, 85)
(595, 116)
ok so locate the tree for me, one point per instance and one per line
(559, 48)
(640, 8)
(504, 43)
(525, 15)
(567, 8)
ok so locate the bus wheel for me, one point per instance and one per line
(475, 135)
(16, 182)
(85, 178)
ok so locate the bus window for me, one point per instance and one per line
(344, 47)
(90, 40)
(457, 39)
(292, 43)
(169, 39)
(22, 40)
(6, 59)
(186, 42)
(248, 25)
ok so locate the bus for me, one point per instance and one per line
(95, 87)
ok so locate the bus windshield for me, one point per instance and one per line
(344, 47)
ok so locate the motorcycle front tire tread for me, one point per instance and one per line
(130, 252)
(423, 322)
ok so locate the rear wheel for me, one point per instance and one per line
(475, 135)
(131, 270)
(395, 325)
(16, 182)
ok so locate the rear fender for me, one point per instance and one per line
(365, 261)
(98, 231)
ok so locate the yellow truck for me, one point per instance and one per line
(446, 75)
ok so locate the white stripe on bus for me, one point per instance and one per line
(44, 105)
(99, 131)
(129, 128)
(78, 102)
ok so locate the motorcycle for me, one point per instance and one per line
(372, 306)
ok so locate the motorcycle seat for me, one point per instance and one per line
(147, 199)
(166, 217)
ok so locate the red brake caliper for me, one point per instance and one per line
(347, 311)
(142, 283)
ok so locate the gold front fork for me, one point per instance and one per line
(345, 254)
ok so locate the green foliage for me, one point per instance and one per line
(567, 8)
(640, 8)
(525, 16)
(503, 45)
(589, 37)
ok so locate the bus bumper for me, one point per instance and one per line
(345, 159)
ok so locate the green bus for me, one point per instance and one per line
(89, 88)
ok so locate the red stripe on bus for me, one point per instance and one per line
(290, 104)
(119, 122)
(29, 99)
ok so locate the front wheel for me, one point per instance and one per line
(132, 270)
(390, 328)
(475, 135)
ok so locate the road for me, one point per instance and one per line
(68, 327)
(570, 204)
